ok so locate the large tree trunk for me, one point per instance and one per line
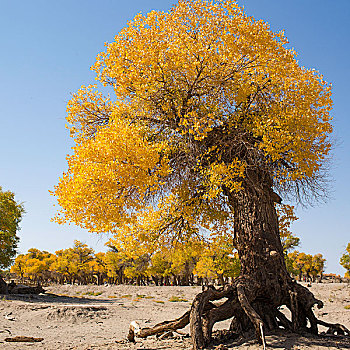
(256, 237)
(264, 283)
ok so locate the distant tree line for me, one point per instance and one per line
(186, 265)
(193, 263)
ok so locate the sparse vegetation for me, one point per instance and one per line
(175, 298)
(95, 294)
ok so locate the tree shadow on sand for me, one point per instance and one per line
(51, 298)
(289, 341)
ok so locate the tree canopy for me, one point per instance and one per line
(205, 99)
(10, 216)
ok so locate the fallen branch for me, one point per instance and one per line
(23, 339)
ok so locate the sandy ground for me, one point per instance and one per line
(98, 317)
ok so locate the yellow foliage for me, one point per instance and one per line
(345, 260)
(218, 258)
(91, 188)
(286, 217)
(34, 264)
(305, 264)
(203, 94)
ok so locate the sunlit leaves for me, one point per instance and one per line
(108, 175)
(203, 95)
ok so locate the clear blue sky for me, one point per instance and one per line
(47, 48)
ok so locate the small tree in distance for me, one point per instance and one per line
(211, 122)
(10, 216)
(345, 261)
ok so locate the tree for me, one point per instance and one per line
(211, 117)
(98, 267)
(305, 266)
(36, 265)
(317, 266)
(74, 263)
(345, 261)
(19, 266)
(10, 216)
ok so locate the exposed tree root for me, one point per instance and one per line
(136, 330)
(334, 328)
(250, 313)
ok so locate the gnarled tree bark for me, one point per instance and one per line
(254, 298)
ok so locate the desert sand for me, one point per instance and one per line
(98, 317)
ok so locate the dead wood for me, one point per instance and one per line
(23, 339)
(136, 330)
(22, 289)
